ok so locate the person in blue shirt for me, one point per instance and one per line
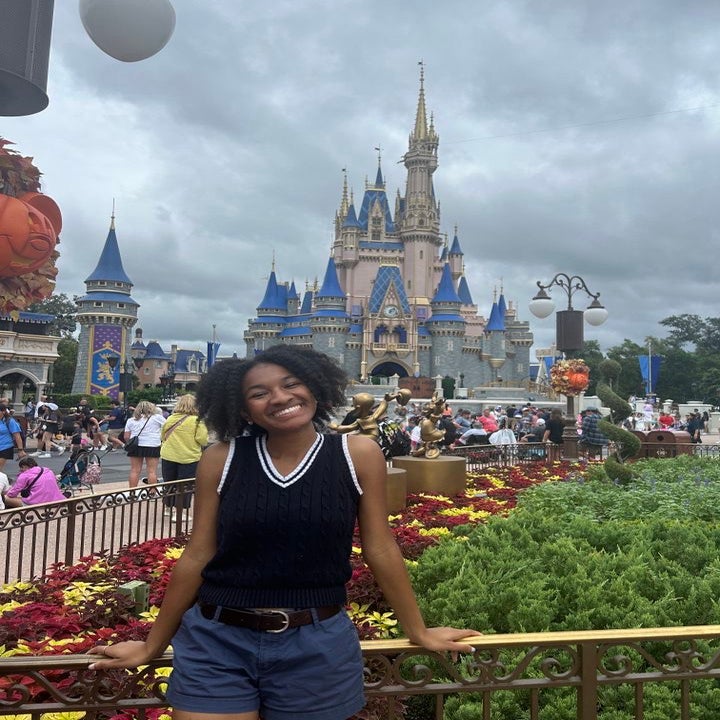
(10, 435)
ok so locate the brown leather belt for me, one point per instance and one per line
(274, 621)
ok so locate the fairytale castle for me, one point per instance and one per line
(394, 298)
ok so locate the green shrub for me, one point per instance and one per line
(587, 555)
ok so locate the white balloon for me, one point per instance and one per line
(128, 30)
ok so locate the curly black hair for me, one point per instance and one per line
(220, 399)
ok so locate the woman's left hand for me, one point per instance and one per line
(447, 638)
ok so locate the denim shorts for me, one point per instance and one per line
(311, 672)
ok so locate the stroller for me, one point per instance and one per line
(80, 472)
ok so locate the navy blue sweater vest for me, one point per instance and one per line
(284, 541)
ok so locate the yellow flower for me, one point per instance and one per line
(151, 614)
(80, 592)
(8, 606)
(434, 532)
(19, 586)
(174, 552)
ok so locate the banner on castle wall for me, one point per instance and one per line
(105, 342)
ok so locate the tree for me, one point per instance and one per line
(610, 371)
(64, 367)
(592, 355)
(703, 333)
(64, 310)
(630, 381)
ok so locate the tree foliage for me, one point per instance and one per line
(64, 367)
(64, 310)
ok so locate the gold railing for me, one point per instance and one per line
(587, 664)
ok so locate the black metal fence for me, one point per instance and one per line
(35, 537)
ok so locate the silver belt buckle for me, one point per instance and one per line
(285, 617)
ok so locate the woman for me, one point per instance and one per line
(95, 432)
(10, 436)
(554, 428)
(183, 436)
(146, 425)
(255, 605)
(39, 483)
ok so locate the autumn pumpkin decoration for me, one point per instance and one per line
(30, 223)
(569, 377)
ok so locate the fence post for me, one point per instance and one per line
(70, 533)
(588, 691)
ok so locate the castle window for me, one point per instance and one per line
(97, 304)
(331, 342)
(121, 305)
(118, 284)
(450, 345)
(409, 285)
(376, 236)
(102, 282)
(421, 254)
(380, 330)
(146, 370)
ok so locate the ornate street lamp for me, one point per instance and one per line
(569, 335)
(569, 323)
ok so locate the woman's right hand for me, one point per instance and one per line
(128, 654)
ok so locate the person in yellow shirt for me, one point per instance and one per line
(184, 436)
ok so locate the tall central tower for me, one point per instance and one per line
(106, 314)
(418, 223)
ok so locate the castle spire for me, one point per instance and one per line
(421, 127)
(344, 202)
(379, 182)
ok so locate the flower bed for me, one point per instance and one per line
(76, 607)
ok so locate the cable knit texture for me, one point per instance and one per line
(283, 542)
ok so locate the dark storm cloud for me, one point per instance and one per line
(568, 143)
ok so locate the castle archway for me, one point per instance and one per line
(388, 369)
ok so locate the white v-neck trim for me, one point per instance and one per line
(303, 466)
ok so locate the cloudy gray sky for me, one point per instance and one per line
(575, 136)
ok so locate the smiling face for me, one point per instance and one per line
(277, 400)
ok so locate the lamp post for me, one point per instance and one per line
(171, 380)
(569, 335)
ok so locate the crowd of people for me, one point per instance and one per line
(147, 433)
(492, 426)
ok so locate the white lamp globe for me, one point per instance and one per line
(595, 314)
(128, 30)
(541, 305)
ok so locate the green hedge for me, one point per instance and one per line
(587, 555)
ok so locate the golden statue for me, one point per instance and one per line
(430, 434)
(366, 422)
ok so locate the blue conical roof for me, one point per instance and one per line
(271, 299)
(110, 267)
(306, 307)
(496, 321)
(351, 218)
(446, 290)
(502, 308)
(464, 292)
(292, 292)
(379, 182)
(455, 247)
(331, 284)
